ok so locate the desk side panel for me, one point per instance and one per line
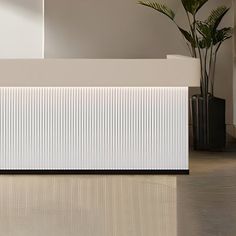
(94, 128)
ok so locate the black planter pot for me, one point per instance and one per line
(209, 129)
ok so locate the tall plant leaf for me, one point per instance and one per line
(216, 17)
(193, 6)
(202, 43)
(201, 3)
(160, 8)
(188, 5)
(206, 32)
(187, 35)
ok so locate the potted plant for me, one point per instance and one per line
(204, 39)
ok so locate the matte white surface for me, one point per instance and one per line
(94, 128)
(101, 72)
(21, 29)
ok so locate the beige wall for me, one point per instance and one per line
(21, 28)
(107, 29)
(124, 29)
(234, 92)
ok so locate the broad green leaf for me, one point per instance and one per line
(188, 5)
(160, 8)
(193, 6)
(201, 3)
(188, 36)
(207, 34)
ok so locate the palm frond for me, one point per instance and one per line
(204, 29)
(222, 35)
(160, 8)
(216, 17)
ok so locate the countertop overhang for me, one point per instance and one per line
(171, 72)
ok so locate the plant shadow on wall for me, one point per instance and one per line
(204, 39)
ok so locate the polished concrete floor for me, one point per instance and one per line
(201, 204)
(206, 200)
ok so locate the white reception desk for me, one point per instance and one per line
(95, 116)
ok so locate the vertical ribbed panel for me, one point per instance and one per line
(94, 128)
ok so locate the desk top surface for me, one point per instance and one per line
(172, 72)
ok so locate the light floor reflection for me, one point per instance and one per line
(88, 205)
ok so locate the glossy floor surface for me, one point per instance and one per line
(201, 204)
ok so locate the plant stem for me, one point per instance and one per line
(210, 67)
(194, 54)
(199, 52)
(201, 63)
(205, 71)
(214, 67)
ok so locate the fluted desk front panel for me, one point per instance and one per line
(93, 128)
